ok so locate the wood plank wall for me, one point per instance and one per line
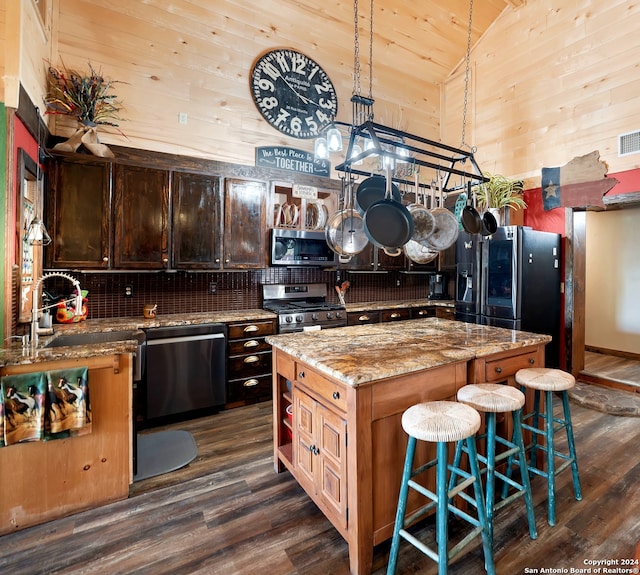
(552, 80)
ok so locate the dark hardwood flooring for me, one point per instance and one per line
(613, 368)
(229, 513)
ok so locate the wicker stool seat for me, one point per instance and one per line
(493, 398)
(441, 422)
(550, 381)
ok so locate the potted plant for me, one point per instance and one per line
(86, 97)
(500, 193)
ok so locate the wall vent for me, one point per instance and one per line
(629, 143)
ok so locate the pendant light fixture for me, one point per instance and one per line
(36, 234)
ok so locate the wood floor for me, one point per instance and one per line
(229, 513)
(618, 370)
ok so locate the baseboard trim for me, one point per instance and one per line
(614, 352)
(607, 382)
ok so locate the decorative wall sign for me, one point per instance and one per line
(580, 183)
(293, 93)
(306, 192)
(292, 160)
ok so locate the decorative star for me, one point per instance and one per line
(550, 191)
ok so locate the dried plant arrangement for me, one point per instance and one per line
(86, 97)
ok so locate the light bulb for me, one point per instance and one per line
(320, 149)
(334, 140)
(355, 152)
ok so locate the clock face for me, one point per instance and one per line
(293, 93)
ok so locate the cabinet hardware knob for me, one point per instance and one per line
(251, 343)
(336, 395)
(422, 312)
(313, 449)
(250, 328)
(251, 359)
(498, 370)
(217, 260)
(301, 375)
(105, 259)
(250, 383)
(532, 361)
(364, 318)
(165, 260)
(395, 315)
(227, 260)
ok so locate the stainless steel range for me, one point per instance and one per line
(301, 306)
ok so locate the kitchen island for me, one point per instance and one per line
(347, 389)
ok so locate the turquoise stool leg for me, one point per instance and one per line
(442, 508)
(535, 424)
(572, 446)
(551, 470)
(402, 505)
(491, 471)
(524, 472)
(487, 542)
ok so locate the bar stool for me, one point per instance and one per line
(441, 422)
(550, 380)
(493, 398)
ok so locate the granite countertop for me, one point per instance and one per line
(365, 353)
(378, 305)
(16, 355)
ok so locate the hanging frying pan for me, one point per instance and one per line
(445, 232)
(424, 224)
(344, 230)
(471, 220)
(423, 221)
(372, 190)
(387, 223)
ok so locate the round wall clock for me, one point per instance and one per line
(293, 93)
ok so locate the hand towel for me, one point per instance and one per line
(23, 407)
(68, 406)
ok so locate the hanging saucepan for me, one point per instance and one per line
(344, 230)
(387, 223)
(424, 224)
(445, 232)
(373, 190)
(471, 220)
(489, 223)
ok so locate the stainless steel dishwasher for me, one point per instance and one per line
(185, 369)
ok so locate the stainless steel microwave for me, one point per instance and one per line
(300, 248)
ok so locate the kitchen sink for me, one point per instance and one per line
(70, 339)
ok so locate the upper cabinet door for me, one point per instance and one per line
(244, 224)
(78, 209)
(141, 218)
(197, 209)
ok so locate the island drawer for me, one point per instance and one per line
(500, 369)
(335, 393)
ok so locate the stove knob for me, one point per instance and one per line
(314, 316)
(338, 315)
(329, 315)
(288, 319)
(299, 319)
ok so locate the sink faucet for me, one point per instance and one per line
(35, 329)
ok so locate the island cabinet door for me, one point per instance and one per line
(320, 442)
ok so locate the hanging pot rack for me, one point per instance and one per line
(400, 146)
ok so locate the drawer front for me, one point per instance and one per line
(247, 346)
(334, 393)
(251, 329)
(394, 315)
(507, 367)
(445, 312)
(249, 365)
(250, 388)
(361, 318)
(420, 312)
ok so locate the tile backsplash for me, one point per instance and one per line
(188, 292)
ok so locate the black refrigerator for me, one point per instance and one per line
(512, 279)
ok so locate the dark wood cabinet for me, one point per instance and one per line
(395, 314)
(244, 224)
(79, 213)
(422, 312)
(197, 221)
(248, 362)
(141, 217)
(363, 317)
